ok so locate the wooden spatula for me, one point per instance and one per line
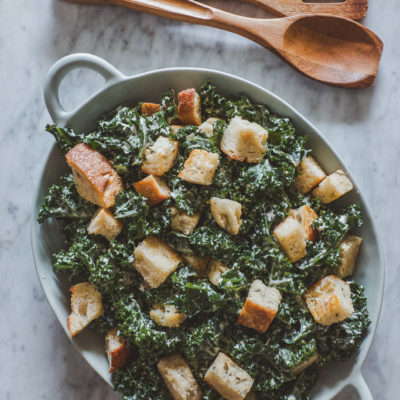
(329, 49)
(353, 9)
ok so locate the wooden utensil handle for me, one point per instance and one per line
(353, 9)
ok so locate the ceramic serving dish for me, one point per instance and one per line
(148, 86)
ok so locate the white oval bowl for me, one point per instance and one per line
(118, 89)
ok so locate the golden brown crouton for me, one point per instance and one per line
(153, 188)
(155, 261)
(95, 179)
(175, 128)
(228, 379)
(329, 300)
(207, 127)
(189, 107)
(86, 306)
(290, 235)
(306, 216)
(332, 187)
(305, 364)
(150, 108)
(227, 214)
(160, 156)
(310, 175)
(215, 270)
(179, 378)
(103, 223)
(183, 222)
(118, 352)
(244, 140)
(197, 262)
(261, 306)
(349, 248)
(200, 167)
(167, 315)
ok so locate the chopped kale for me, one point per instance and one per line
(266, 192)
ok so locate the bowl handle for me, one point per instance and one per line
(362, 388)
(65, 65)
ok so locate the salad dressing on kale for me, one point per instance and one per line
(266, 192)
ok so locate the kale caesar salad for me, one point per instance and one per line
(200, 241)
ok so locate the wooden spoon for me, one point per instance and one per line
(353, 9)
(333, 50)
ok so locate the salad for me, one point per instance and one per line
(201, 241)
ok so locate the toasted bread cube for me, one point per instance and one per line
(290, 235)
(103, 223)
(329, 300)
(349, 248)
(95, 179)
(154, 189)
(310, 175)
(179, 378)
(183, 222)
(86, 306)
(150, 108)
(228, 379)
(305, 364)
(260, 307)
(215, 270)
(207, 127)
(332, 187)
(197, 262)
(175, 128)
(227, 214)
(306, 216)
(244, 140)
(167, 315)
(155, 261)
(189, 107)
(160, 156)
(200, 167)
(117, 350)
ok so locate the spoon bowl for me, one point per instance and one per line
(335, 50)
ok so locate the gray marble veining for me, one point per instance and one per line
(38, 361)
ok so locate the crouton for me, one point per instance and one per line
(215, 270)
(155, 261)
(244, 140)
(117, 350)
(154, 189)
(150, 108)
(305, 364)
(95, 179)
(189, 107)
(86, 306)
(349, 248)
(167, 315)
(227, 214)
(329, 300)
(103, 223)
(310, 175)
(228, 379)
(332, 187)
(200, 167)
(160, 156)
(305, 216)
(290, 235)
(207, 127)
(260, 307)
(183, 222)
(197, 262)
(175, 128)
(179, 378)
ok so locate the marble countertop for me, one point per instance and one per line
(38, 361)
